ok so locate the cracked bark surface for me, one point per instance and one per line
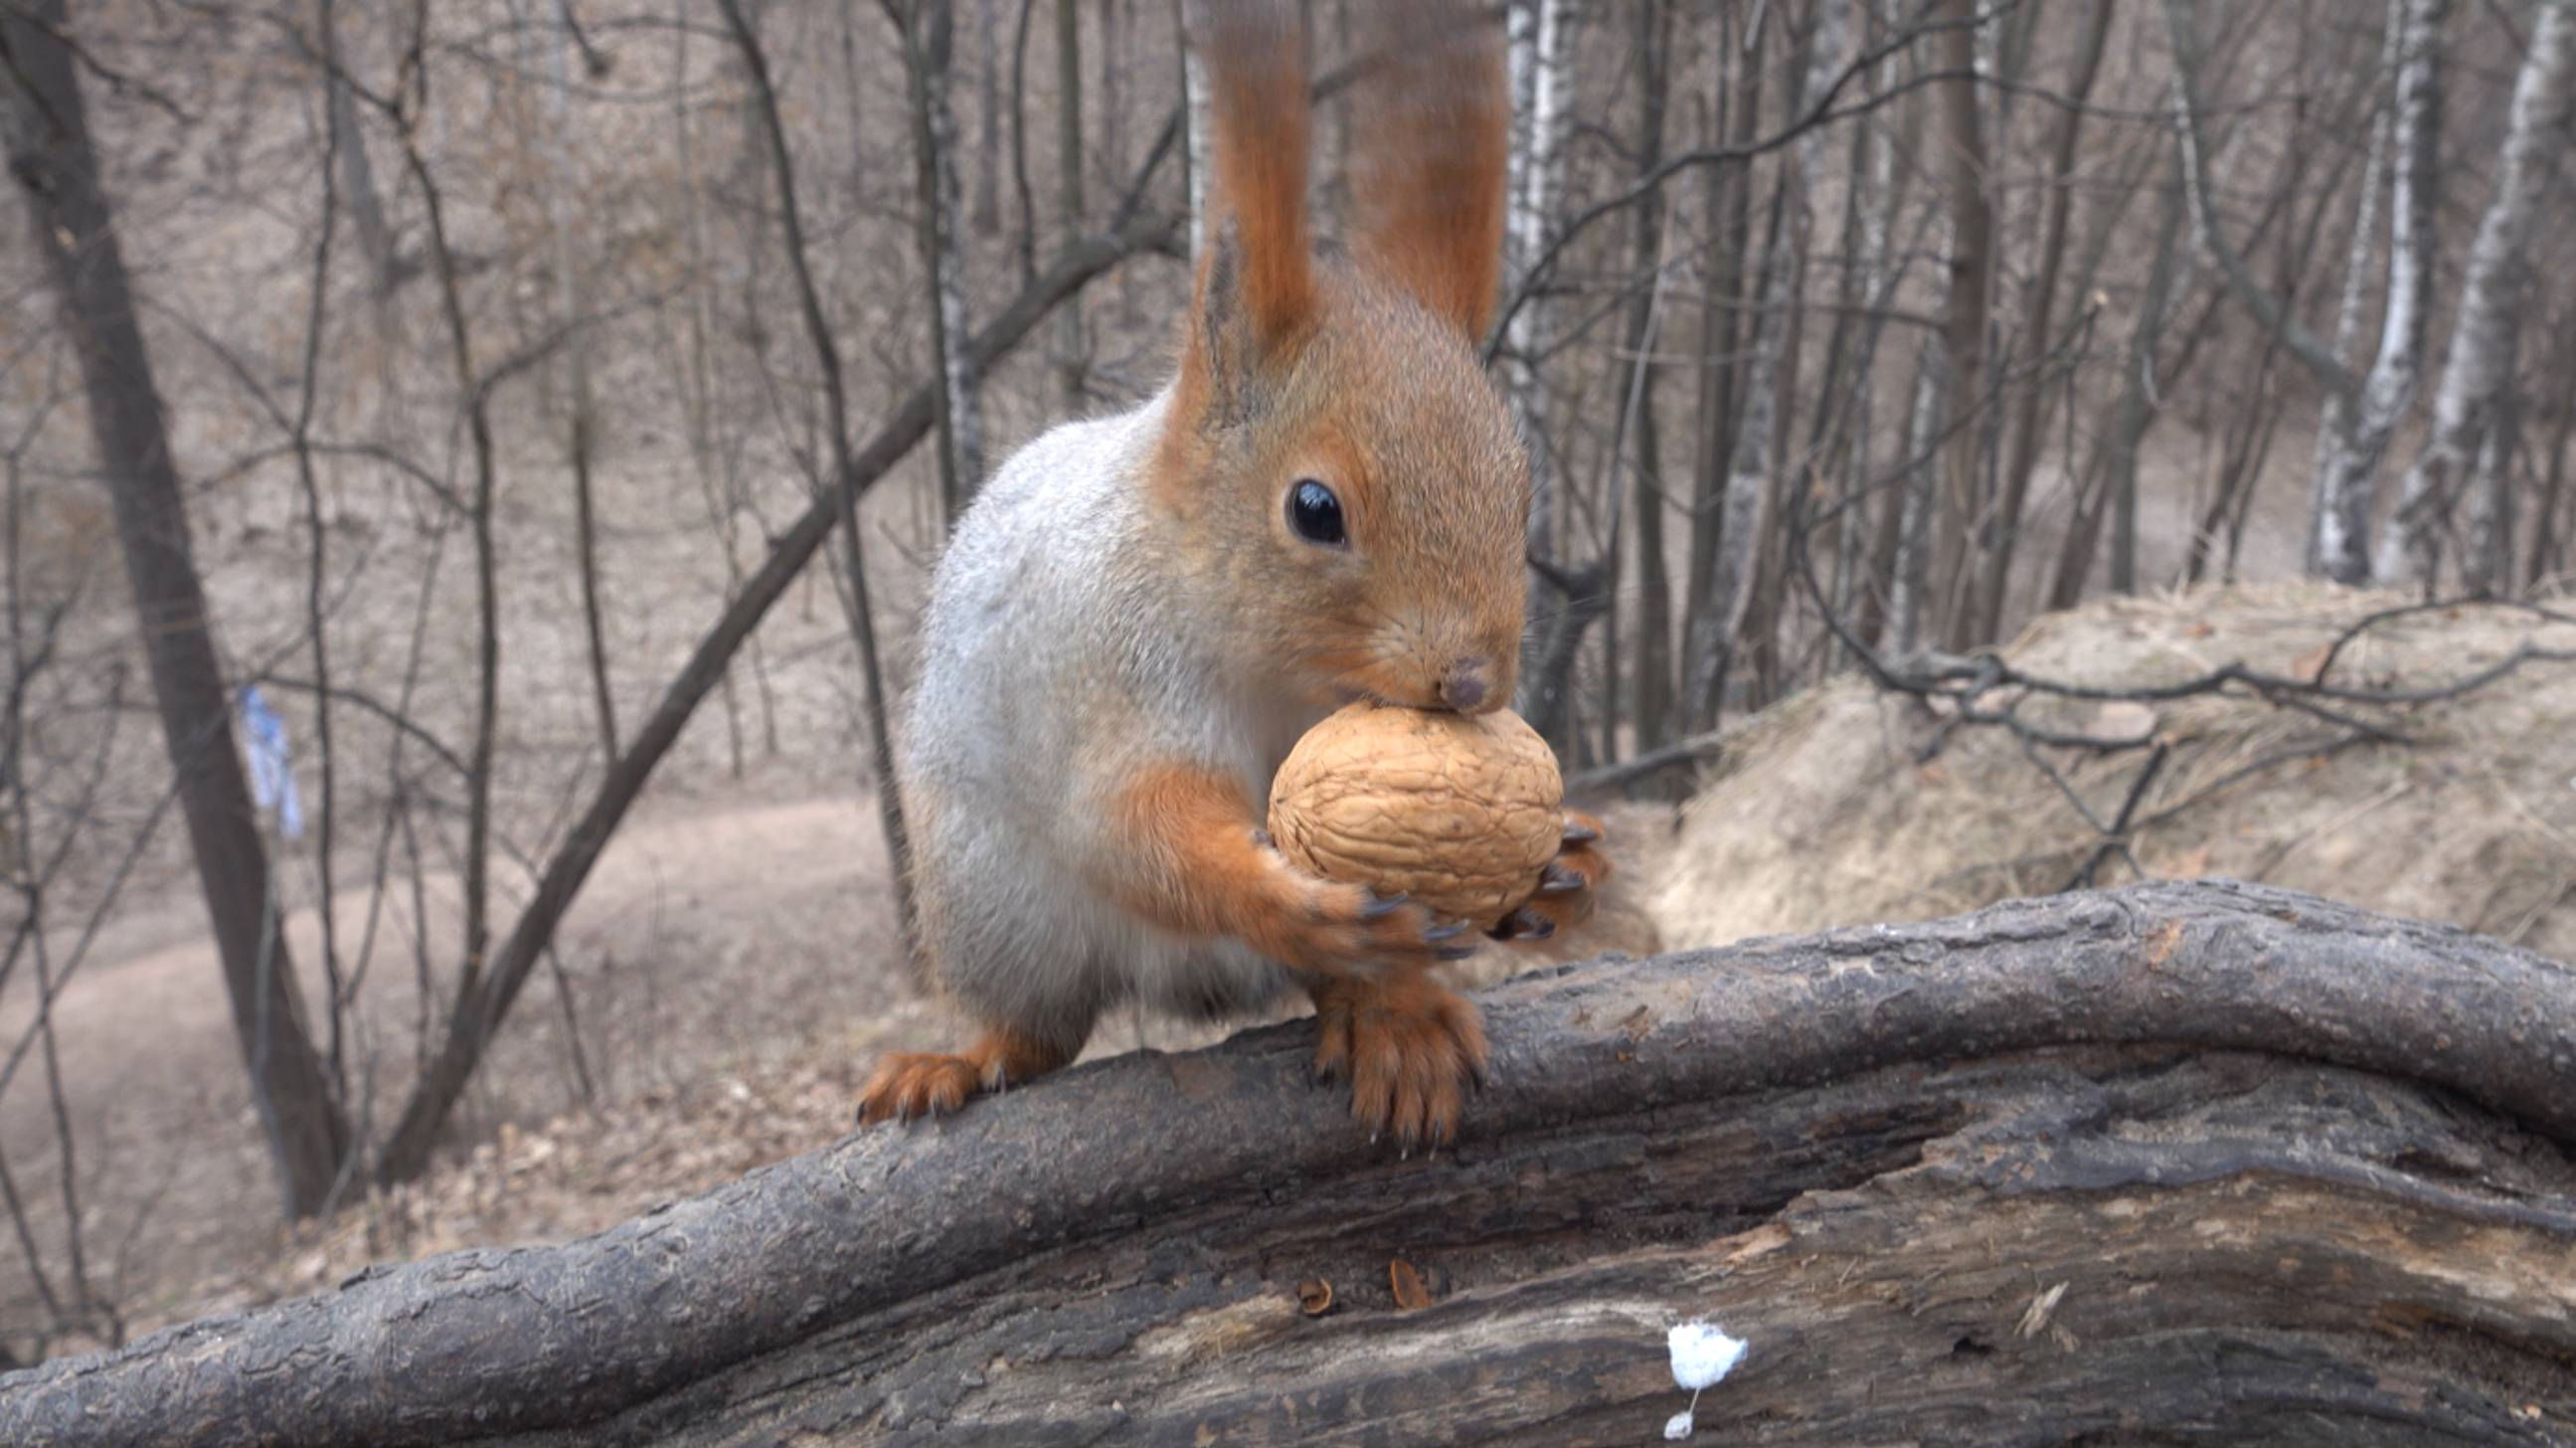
(2174, 1163)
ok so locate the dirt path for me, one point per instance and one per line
(710, 941)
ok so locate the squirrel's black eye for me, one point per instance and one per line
(1316, 514)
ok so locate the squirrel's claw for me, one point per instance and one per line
(1410, 1047)
(1525, 924)
(1381, 906)
(1569, 886)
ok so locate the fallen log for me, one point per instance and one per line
(2171, 1163)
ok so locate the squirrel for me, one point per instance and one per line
(1140, 614)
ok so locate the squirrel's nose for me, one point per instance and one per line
(1466, 684)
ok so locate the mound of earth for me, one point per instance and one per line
(1849, 805)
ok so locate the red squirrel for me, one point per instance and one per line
(1140, 614)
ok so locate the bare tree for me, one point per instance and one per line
(2474, 377)
(2350, 494)
(1650, 666)
(1963, 327)
(1743, 510)
(927, 29)
(1069, 161)
(57, 169)
(2039, 314)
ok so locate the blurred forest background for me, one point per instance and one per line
(550, 411)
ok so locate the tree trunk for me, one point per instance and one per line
(2349, 484)
(56, 165)
(1770, 369)
(1068, 79)
(1730, 204)
(2135, 411)
(988, 114)
(2482, 338)
(2116, 1167)
(358, 178)
(1651, 661)
(2326, 511)
(927, 36)
(560, 197)
(1536, 53)
(2548, 537)
(2486, 562)
(2035, 339)
(1964, 314)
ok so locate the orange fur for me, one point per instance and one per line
(1260, 116)
(929, 1083)
(1437, 115)
(1410, 1046)
(1196, 865)
(1589, 860)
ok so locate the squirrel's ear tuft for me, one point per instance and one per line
(1258, 271)
(1435, 139)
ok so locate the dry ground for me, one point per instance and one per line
(1830, 812)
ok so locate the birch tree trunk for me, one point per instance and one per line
(1537, 66)
(56, 167)
(1535, 54)
(2482, 337)
(2326, 539)
(2347, 487)
(2486, 564)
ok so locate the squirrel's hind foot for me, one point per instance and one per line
(1410, 1047)
(909, 1084)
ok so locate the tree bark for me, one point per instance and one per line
(2348, 489)
(1537, 51)
(1651, 670)
(928, 31)
(1068, 79)
(1997, 577)
(2482, 349)
(987, 209)
(2135, 1166)
(1964, 312)
(1744, 504)
(2326, 511)
(56, 166)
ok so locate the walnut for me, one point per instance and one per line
(1459, 811)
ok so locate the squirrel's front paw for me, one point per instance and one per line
(1340, 929)
(1568, 889)
(1410, 1046)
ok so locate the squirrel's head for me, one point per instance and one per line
(1348, 480)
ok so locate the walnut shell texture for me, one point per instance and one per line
(1458, 811)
